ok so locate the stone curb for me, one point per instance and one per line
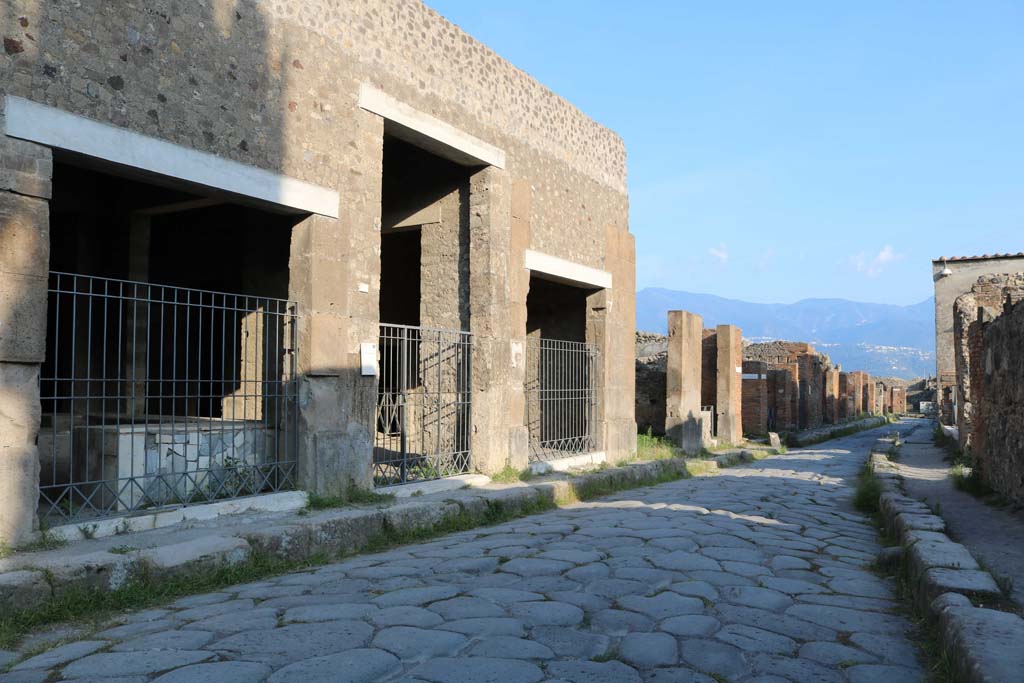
(27, 582)
(946, 581)
(820, 435)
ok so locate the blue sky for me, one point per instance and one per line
(779, 151)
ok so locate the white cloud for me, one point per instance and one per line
(721, 252)
(873, 266)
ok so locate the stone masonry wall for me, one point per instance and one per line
(998, 445)
(651, 363)
(988, 294)
(755, 398)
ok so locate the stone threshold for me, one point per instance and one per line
(29, 580)
(948, 585)
(572, 462)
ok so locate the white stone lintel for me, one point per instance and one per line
(562, 270)
(429, 132)
(56, 128)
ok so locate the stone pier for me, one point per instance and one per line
(729, 406)
(682, 382)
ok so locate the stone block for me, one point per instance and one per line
(972, 583)
(984, 644)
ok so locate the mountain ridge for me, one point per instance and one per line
(881, 339)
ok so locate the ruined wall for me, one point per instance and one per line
(755, 398)
(831, 392)
(998, 442)
(651, 360)
(986, 299)
(709, 368)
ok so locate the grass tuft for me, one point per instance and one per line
(869, 490)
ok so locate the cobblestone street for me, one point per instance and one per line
(757, 574)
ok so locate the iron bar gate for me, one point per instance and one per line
(561, 398)
(423, 404)
(155, 395)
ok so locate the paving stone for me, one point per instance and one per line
(752, 596)
(137, 629)
(508, 647)
(466, 608)
(834, 654)
(690, 625)
(872, 673)
(848, 620)
(793, 627)
(663, 605)
(468, 565)
(566, 642)
(753, 639)
(61, 655)
(410, 643)
(593, 672)
(585, 601)
(892, 649)
(851, 601)
(615, 588)
(6, 657)
(678, 674)
(247, 620)
(685, 562)
(649, 650)
(714, 657)
(589, 572)
(502, 626)
(206, 611)
(203, 600)
(405, 616)
(505, 596)
(791, 586)
(530, 566)
(478, 670)
(217, 672)
(867, 588)
(700, 589)
(130, 663)
(184, 639)
(619, 622)
(25, 676)
(331, 612)
(416, 596)
(734, 554)
(790, 669)
(720, 578)
(547, 613)
(294, 642)
(788, 562)
(745, 568)
(362, 665)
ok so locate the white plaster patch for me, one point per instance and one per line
(567, 271)
(53, 127)
(455, 144)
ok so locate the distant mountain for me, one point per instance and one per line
(881, 339)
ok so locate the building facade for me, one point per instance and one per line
(249, 246)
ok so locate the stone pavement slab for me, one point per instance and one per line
(759, 573)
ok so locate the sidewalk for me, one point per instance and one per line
(995, 536)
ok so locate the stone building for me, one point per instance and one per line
(997, 394)
(984, 302)
(805, 386)
(953, 277)
(250, 246)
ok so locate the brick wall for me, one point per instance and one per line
(709, 369)
(651, 359)
(755, 398)
(998, 442)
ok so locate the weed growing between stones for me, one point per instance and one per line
(510, 475)
(869, 490)
(355, 496)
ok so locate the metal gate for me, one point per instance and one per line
(561, 398)
(155, 396)
(423, 404)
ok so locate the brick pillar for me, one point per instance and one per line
(729, 403)
(755, 397)
(832, 396)
(25, 175)
(334, 276)
(489, 301)
(683, 381)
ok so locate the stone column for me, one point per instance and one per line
(334, 276)
(615, 308)
(519, 289)
(489, 301)
(25, 189)
(683, 381)
(729, 403)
